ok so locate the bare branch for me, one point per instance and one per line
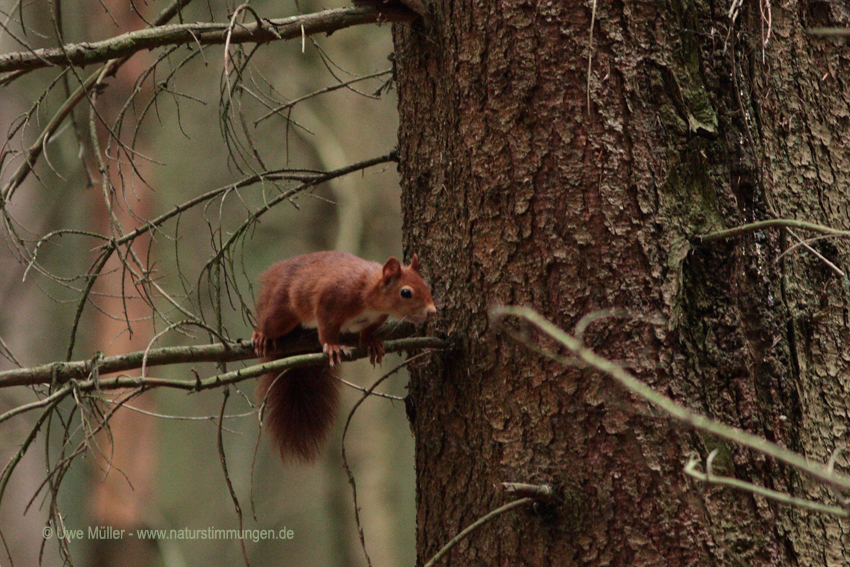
(62, 372)
(709, 477)
(772, 223)
(682, 414)
(111, 66)
(200, 33)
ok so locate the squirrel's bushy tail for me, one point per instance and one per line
(300, 409)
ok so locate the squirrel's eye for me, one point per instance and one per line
(406, 292)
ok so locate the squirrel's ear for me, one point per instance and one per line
(414, 263)
(392, 269)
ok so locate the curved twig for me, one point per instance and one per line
(475, 525)
(351, 481)
(671, 408)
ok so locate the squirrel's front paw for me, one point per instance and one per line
(335, 352)
(261, 343)
(375, 347)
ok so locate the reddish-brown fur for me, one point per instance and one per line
(299, 409)
(336, 292)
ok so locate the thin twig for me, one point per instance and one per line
(829, 32)
(286, 195)
(772, 223)
(835, 269)
(782, 498)
(325, 90)
(57, 395)
(307, 180)
(13, 462)
(590, 49)
(363, 390)
(223, 459)
(475, 525)
(345, 460)
(110, 67)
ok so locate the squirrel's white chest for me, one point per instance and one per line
(353, 325)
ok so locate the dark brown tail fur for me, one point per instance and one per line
(300, 409)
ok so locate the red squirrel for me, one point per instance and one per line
(337, 293)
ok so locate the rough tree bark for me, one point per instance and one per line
(527, 182)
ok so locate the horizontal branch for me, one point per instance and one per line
(200, 33)
(829, 32)
(772, 223)
(61, 372)
(298, 361)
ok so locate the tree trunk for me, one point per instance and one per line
(124, 323)
(526, 181)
